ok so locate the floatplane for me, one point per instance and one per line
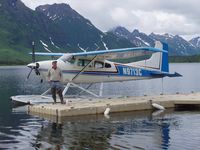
(97, 66)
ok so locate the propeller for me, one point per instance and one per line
(35, 67)
(29, 73)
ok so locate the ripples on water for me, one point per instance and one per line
(135, 130)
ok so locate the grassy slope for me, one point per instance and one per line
(13, 57)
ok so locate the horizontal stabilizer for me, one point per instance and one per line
(176, 74)
(160, 74)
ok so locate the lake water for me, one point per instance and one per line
(134, 130)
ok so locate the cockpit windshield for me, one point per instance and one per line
(67, 57)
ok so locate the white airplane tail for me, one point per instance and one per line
(158, 60)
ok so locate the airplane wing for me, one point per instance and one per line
(114, 53)
(108, 54)
(48, 54)
(123, 55)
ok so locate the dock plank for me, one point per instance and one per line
(78, 107)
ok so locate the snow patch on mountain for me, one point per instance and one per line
(96, 46)
(143, 41)
(167, 35)
(53, 43)
(192, 44)
(45, 45)
(89, 24)
(198, 42)
(81, 48)
(54, 17)
(47, 49)
(104, 44)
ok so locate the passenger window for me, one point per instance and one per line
(83, 62)
(98, 64)
(107, 65)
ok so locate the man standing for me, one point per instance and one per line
(55, 77)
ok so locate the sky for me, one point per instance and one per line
(176, 17)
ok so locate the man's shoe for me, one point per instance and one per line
(62, 102)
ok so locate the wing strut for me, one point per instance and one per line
(75, 85)
(76, 76)
(83, 68)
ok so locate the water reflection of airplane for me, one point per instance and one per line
(96, 67)
(130, 130)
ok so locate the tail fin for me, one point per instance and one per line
(164, 64)
(158, 60)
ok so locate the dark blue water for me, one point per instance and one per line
(135, 130)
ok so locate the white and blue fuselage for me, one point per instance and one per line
(116, 72)
(91, 67)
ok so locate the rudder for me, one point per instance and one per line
(164, 56)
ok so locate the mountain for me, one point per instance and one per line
(78, 32)
(177, 44)
(195, 42)
(19, 26)
(72, 30)
(141, 39)
(121, 32)
(136, 37)
(10, 31)
(59, 28)
(56, 28)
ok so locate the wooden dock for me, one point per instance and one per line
(77, 107)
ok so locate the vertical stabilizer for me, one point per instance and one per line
(164, 56)
(158, 60)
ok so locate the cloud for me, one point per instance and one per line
(175, 17)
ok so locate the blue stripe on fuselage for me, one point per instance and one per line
(122, 70)
(88, 72)
(132, 71)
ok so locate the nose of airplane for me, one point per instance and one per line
(33, 65)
